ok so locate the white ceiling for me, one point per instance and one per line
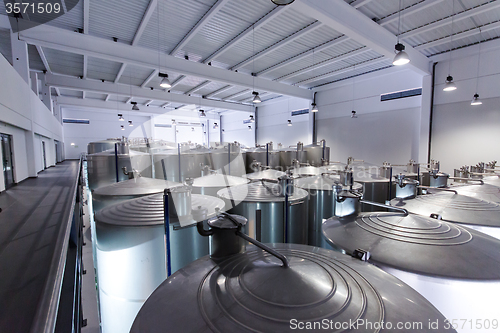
(296, 48)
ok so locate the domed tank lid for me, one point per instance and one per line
(322, 182)
(485, 192)
(259, 192)
(365, 177)
(148, 210)
(223, 222)
(307, 171)
(256, 150)
(218, 180)
(135, 186)
(252, 292)
(265, 174)
(417, 244)
(454, 208)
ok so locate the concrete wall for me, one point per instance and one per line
(383, 131)
(23, 115)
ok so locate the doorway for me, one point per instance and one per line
(44, 156)
(7, 160)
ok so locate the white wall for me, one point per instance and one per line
(463, 134)
(233, 128)
(273, 122)
(384, 131)
(22, 112)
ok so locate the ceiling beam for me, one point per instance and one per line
(200, 25)
(218, 91)
(408, 11)
(285, 41)
(305, 54)
(120, 72)
(343, 70)
(44, 59)
(328, 62)
(177, 81)
(460, 35)
(86, 10)
(359, 3)
(345, 19)
(257, 25)
(149, 102)
(137, 92)
(59, 39)
(447, 21)
(198, 87)
(92, 104)
(151, 76)
(164, 105)
(231, 97)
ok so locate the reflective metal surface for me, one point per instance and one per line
(317, 153)
(252, 292)
(307, 171)
(131, 260)
(211, 184)
(230, 159)
(262, 205)
(267, 157)
(454, 208)
(375, 188)
(171, 165)
(322, 204)
(417, 244)
(100, 146)
(439, 179)
(484, 192)
(265, 174)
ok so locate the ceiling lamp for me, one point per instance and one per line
(120, 117)
(249, 128)
(476, 100)
(289, 122)
(216, 126)
(314, 107)
(282, 2)
(134, 106)
(256, 98)
(130, 123)
(353, 114)
(202, 113)
(122, 128)
(252, 120)
(449, 85)
(401, 57)
(192, 129)
(173, 121)
(165, 82)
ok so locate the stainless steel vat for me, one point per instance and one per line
(182, 163)
(265, 174)
(307, 171)
(229, 160)
(211, 184)
(452, 266)
(317, 153)
(129, 189)
(261, 203)
(322, 204)
(437, 179)
(265, 155)
(131, 260)
(100, 146)
(375, 188)
(253, 292)
(102, 170)
(288, 155)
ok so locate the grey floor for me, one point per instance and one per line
(32, 215)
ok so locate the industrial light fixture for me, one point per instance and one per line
(202, 113)
(122, 127)
(401, 57)
(252, 120)
(314, 107)
(249, 128)
(476, 100)
(353, 114)
(289, 122)
(216, 126)
(134, 106)
(256, 98)
(450, 85)
(120, 117)
(130, 123)
(282, 2)
(165, 82)
(173, 121)
(192, 129)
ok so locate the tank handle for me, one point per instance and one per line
(278, 255)
(404, 211)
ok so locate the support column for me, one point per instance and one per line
(46, 97)
(34, 82)
(30, 153)
(425, 112)
(20, 60)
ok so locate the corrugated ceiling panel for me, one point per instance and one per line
(116, 18)
(114, 98)
(188, 83)
(230, 92)
(318, 37)
(34, 59)
(134, 75)
(71, 93)
(5, 47)
(155, 82)
(72, 20)
(211, 87)
(64, 62)
(92, 95)
(101, 69)
(171, 22)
